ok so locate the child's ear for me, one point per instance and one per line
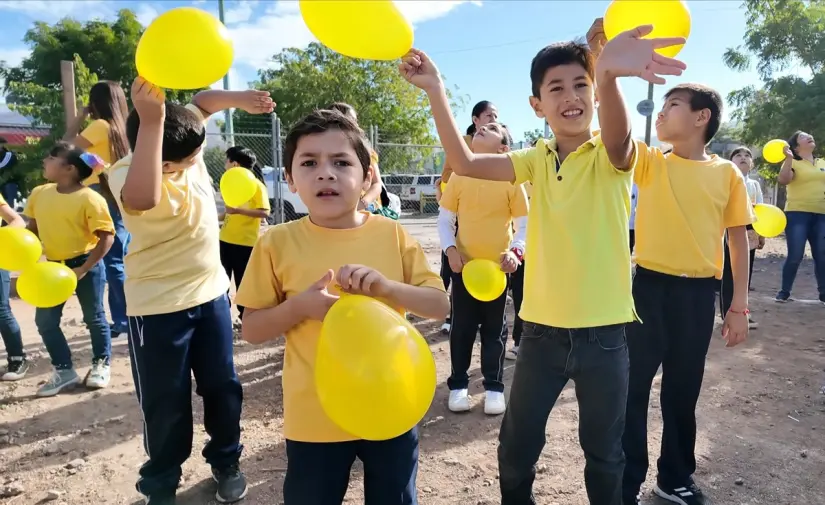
(290, 183)
(368, 179)
(703, 117)
(535, 104)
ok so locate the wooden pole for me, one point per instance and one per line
(69, 98)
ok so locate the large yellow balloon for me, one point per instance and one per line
(184, 48)
(774, 151)
(238, 186)
(19, 248)
(670, 18)
(46, 284)
(374, 372)
(770, 220)
(368, 29)
(484, 279)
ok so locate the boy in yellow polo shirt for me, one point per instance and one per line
(179, 318)
(18, 366)
(74, 224)
(487, 210)
(687, 200)
(577, 293)
(289, 287)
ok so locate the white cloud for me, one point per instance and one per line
(239, 12)
(52, 10)
(13, 56)
(146, 14)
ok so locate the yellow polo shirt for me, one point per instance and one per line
(486, 210)
(289, 258)
(67, 222)
(578, 275)
(174, 262)
(683, 209)
(806, 192)
(97, 133)
(243, 230)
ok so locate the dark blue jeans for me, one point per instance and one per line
(115, 270)
(165, 351)
(9, 329)
(90, 295)
(804, 227)
(596, 360)
(318, 473)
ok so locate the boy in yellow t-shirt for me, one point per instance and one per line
(289, 288)
(18, 366)
(487, 210)
(74, 224)
(176, 289)
(687, 200)
(577, 295)
(242, 225)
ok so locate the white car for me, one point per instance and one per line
(410, 187)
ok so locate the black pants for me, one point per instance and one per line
(726, 288)
(632, 240)
(467, 314)
(234, 259)
(517, 288)
(678, 316)
(595, 359)
(165, 351)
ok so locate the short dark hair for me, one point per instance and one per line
(183, 132)
(740, 149)
(506, 137)
(320, 121)
(561, 53)
(243, 156)
(703, 97)
(74, 157)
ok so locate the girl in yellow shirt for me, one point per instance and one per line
(9, 329)
(241, 225)
(75, 227)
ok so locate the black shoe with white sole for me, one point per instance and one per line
(232, 484)
(685, 495)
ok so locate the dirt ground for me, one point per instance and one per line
(761, 418)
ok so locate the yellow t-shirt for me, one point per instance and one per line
(486, 210)
(97, 133)
(578, 274)
(447, 171)
(67, 222)
(806, 192)
(2, 200)
(683, 209)
(173, 262)
(243, 230)
(289, 258)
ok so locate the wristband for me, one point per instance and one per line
(743, 312)
(518, 252)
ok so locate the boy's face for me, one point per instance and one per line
(489, 139)
(676, 120)
(565, 100)
(56, 169)
(327, 175)
(743, 160)
(177, 166)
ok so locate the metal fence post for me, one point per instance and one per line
(277, 162)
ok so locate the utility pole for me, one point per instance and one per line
(649, 123)
(229, 127)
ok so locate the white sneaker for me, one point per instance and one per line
(99, 375)
(445, 328)
(512, 353)
(494, 403)
(459, 400)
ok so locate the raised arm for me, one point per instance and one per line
(786, 173)
(251, 101)
(142, 187)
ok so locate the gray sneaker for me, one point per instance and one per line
(60, 380)
(231, 482)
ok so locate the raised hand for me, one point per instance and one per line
(596, 38)
(256, 102)
(419, 70)
(148, 99)
(630, 55)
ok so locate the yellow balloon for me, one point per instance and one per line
(484, 279)
(670, 18)
(374, 372)
(238, 186)
(770, 220)
(368, 29)
(184, 48)
(774, 151)
(19, 249)
(46, 284)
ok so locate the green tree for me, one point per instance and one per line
(532, 136)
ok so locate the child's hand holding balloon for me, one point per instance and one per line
(362, 280)
(314, 303)
(148, 99)
(419, 70)
(255, 102)
(596, 38)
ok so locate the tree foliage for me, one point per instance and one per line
(531, 136)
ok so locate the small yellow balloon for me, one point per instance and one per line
(484, 279)
(46, 284)
(238, 186)
(770, 220)
(184, 48)
(367, 29)
(374, 372)
(670, 18)
(774, 151)
(19, 249)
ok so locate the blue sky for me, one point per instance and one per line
(483, 47)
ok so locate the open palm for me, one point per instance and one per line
(630, 55)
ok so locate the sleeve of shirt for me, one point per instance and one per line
(97, 132)
(262, 197)
(417, 270)
(450, 195)
(261, 289)
(97, 215)
(524, 163)
(446, 228)
(2, 201)
(760, 197)
(739, 211)
(31, 202)
(641, 162)
(117, 178)
(518, 202)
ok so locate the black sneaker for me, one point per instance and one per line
(17, 369)
(160, 499)
(782, 297)
(232, 485)
(685, 495)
